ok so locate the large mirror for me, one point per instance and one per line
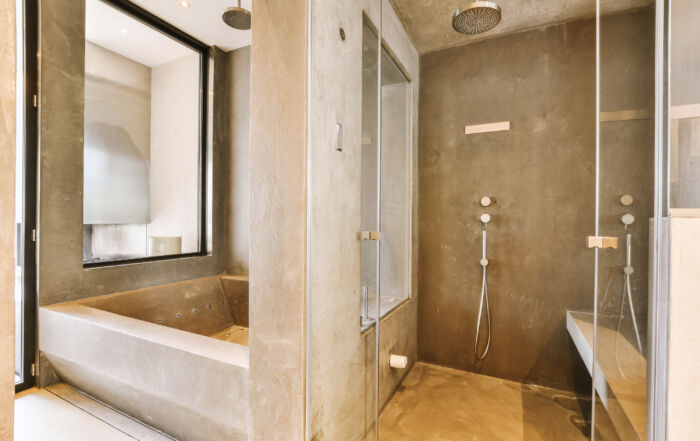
(144, 136)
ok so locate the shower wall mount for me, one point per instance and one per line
(501, 126)
(627, 200)
(602, 242)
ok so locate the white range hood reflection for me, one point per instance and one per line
(116, 177)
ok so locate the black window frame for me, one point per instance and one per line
(160, 25)
(27, 233)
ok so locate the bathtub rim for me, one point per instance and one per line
(201, 345)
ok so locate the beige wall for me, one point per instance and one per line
(342, 360)
(277, 220)
(684, 339)
(7, 212)
(238, 161)
(61, 273)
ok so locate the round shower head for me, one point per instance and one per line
(477, 17)
(237, 17)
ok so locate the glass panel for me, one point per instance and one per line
(370, 212)
(395, 174)
(685, 106)
(395, 197)
(626, 207)
(142, 140)
(19, 200)
(370, 169)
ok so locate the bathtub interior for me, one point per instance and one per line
(214, 306)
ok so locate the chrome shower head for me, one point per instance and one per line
(477, 17)
(237, 17)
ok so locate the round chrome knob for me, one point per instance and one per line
(485, 218)
(627, 219)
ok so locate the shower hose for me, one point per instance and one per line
(484, 301)
(627, 293)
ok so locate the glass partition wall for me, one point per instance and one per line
(625, 206)
(514, 298)
(385, 183)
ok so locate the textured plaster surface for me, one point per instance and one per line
(236, 292)
(7, 216)
(61, 274)
(541, 176)
(190, 386)
(342, 360)
(442, 404)
(197, 306)
(277, 220)
(238, 161)
(429, 23)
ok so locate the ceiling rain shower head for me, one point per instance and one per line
(477, 17)
(237, 17)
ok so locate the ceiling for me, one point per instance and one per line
(202, 20)
(429, 22)
(111, 29)
(118, 32)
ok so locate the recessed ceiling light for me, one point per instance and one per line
(184, 4)
(124, 31)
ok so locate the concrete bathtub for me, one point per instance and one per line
(150, 354)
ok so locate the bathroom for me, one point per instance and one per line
(349, 220)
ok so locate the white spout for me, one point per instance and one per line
(398, 361)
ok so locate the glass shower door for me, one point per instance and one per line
(370, 304)
(624, 224)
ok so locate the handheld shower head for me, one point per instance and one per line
(237, 17)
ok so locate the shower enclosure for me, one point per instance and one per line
(550, 115)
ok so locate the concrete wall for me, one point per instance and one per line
(541, 175)
(61, 274)
(238, 161)
(278, 219)
(342, 359)
(8, 53)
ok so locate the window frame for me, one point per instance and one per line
(160, 25)
(29, 183)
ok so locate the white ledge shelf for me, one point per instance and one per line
(621, 371)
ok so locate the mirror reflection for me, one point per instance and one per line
(142, 140)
